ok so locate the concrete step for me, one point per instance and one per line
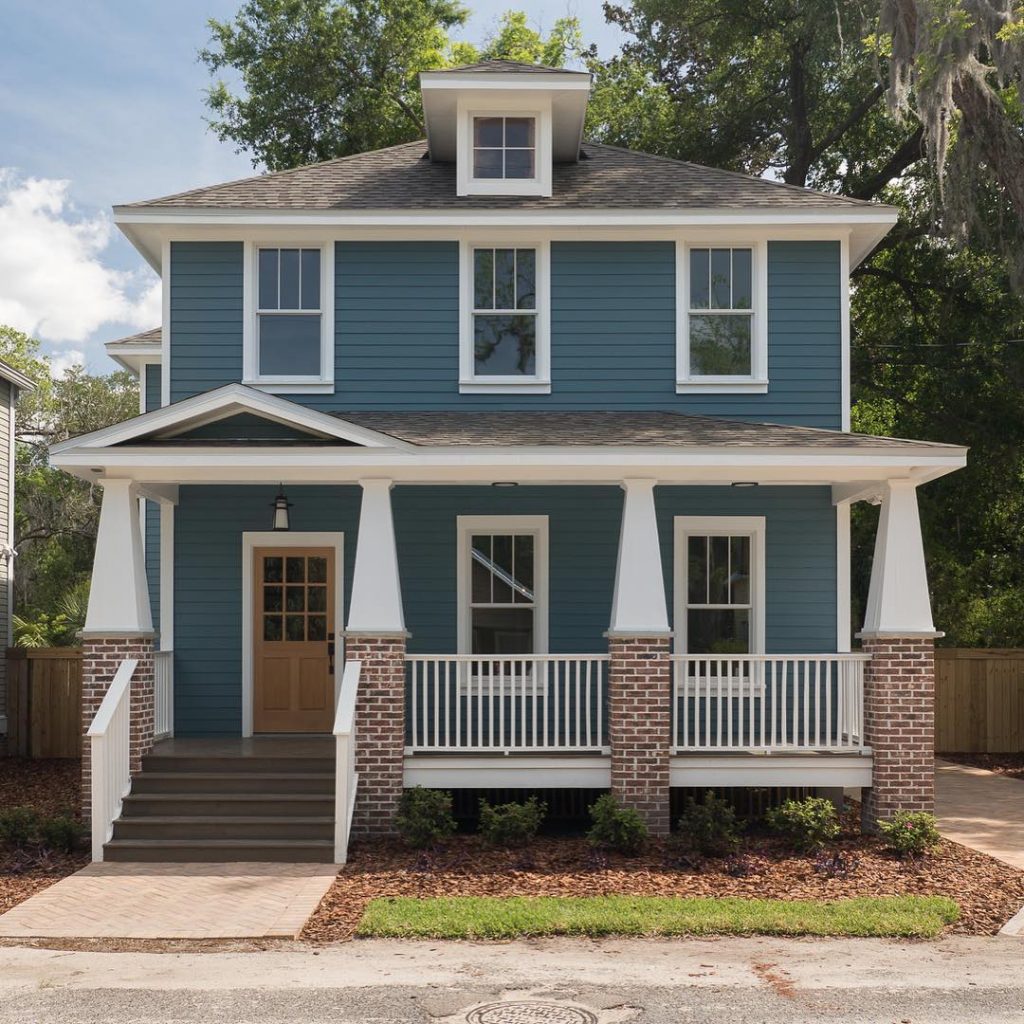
(233, 782)
(230, 827)
(264, 805)
(262, 764)
(314, 851)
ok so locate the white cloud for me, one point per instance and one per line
(62, 361)
(53, 281)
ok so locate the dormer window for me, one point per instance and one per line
(504, 147)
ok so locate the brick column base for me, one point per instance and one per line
(639, 725)
(380, 731)
(899, 726)
(101, 657)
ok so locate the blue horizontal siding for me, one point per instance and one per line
(612, 326)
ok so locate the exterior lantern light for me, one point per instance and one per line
(281, 504)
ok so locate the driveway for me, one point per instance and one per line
(981, 810)
(556, 981)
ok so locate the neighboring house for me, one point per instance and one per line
(542, 444)
(12, 384)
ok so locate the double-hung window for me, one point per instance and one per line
(720, 589)
(722, 331)
(288, 339)
(505, 318)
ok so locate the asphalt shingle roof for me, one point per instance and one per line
(152, 336)
(506, 66)
(403, 178)
(676, 430)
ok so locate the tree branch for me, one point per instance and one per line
(857, 114)
(908, 154)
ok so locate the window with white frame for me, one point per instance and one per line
(504, 147)
(720, 580)
(723, 332)
(503, 585)
(504, 316)
(288, 339)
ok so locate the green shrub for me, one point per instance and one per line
(511, 824)
(616, 828)
(425, 817)
(18, 825)
(711, 828)
(910, 833)
(62, 834)
(807, 824)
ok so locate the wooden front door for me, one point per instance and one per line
(293, 671)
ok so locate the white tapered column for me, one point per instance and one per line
(376, 602)
(638, 602)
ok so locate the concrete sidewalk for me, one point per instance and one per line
(982, 810)
(609, 981)
(173, 901)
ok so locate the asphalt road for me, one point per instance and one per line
(961, 980)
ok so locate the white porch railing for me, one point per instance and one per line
(768, 702)
(346, 780)
(506, 704)
(163, 694)
(109, 739)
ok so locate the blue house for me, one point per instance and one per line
(497, 460)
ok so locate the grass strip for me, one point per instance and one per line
(492, 917)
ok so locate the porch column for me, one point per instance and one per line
(118, 624)
(639, 671)
(899, 682)
(376, 637)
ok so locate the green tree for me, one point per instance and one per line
(328, 78)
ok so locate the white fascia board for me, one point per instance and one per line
(510, 82)
(132, 357)
(217, 404)
(16, 377)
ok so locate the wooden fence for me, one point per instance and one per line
(979, 700)
(44, 701)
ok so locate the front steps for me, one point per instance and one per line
(219, 808)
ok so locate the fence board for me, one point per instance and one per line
(979, 700)
(44, 686)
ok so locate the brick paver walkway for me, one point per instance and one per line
(981, 810)
(174, 901)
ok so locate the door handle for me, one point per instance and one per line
(330, 657)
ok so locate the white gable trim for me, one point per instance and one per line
(222, 403)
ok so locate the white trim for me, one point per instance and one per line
(843, 624)
(825, 770)
(513, 771)
(757, 380)
(166, 576)
(143, 369)
(280, 539)
(471, 107)
(324, 381)
(165, 326)
(753, 527)
(466, 526)
(9, 563)
(223, 402)
(844, 329)
(540, 382)
(511, 81)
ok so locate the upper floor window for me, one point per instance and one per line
(289, 340)
(504, 147)
(723, 337)
(505, 318)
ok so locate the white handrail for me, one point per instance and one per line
(768, 702)
(346, 779)
(163, 694)
(110, 752)
(511, 703)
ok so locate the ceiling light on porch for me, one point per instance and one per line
(505, 483)
(744, 483)
(281, 504)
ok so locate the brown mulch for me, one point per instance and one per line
(1011, 765)
(988, 892)
(51, 788)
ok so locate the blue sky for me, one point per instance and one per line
(101, 103)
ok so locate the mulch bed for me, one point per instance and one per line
(988, 892)
(51, 788)
(1011, 765)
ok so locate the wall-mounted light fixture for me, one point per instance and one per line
(280, 505)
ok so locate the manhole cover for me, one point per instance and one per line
(529, 1013)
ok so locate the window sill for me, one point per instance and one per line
(718, 386)
(292, 387)
(503, 386)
